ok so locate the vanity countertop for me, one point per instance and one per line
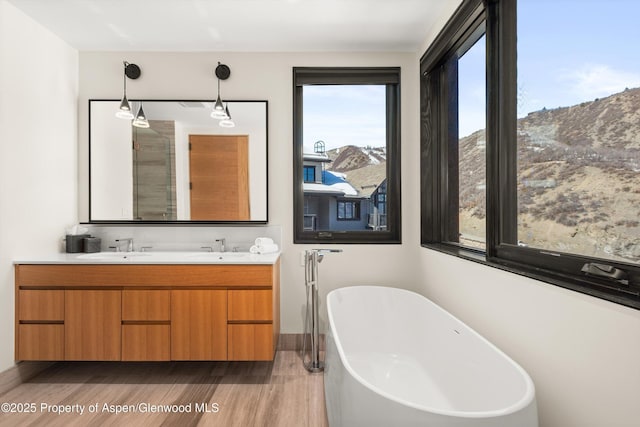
(154, 258)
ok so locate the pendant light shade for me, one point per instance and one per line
(131, 71)
(124, 112)
(218, 108)
(141, 120)
(227, 122)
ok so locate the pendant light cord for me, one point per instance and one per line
(124, 75)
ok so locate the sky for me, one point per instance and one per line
(343, 115)
(569, 51)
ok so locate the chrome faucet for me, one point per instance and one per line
(222, 242)
(129, 241)
(312, 257)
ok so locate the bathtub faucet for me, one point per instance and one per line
(313, 257)
(321, 252)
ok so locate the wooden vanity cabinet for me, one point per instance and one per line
(147, 312)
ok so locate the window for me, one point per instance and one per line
(545, 181)
(347, 128)
(348, 210)
(471, 165)
(309, 174)
(381, 201)
(577, 150)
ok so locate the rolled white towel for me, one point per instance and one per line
(264, 249)
(261, 241)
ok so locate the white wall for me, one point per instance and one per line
(257, 76)
(38, 150)
(583, 353)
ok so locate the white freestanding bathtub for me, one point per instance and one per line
(394, 358)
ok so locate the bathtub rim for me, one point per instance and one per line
(527, 399)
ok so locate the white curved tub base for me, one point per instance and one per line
(394, 358)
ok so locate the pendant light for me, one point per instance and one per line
(218, 108)
(227, 122)
(131, 71)
(141, 119)
(222, 72)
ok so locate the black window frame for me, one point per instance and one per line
(502, 250)
(388, 76)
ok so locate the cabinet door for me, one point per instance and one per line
(92, 325)
(199, 324)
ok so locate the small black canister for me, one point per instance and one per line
(75, 243)
(92, 244)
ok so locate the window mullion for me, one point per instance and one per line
(452, 220)
(502, 198)
(430, 158)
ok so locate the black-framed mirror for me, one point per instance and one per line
(184, 168)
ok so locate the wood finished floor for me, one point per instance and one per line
(278, 393)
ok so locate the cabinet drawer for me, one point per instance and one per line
(250, 342)
(41, 342)
(43, 305)
(250, 305)
(146, 342)
(146, 305)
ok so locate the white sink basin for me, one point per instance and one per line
(220, 256)
(113, 255)
(177, 257)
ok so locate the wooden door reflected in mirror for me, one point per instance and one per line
(219, 177)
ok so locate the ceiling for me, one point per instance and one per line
(241, 25)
